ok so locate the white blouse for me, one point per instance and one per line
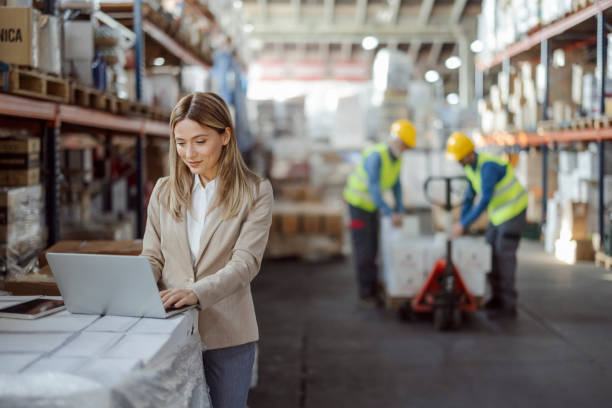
(201, 200)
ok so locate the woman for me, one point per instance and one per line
(207, 229)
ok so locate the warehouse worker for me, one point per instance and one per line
(505, 201)
(378, 170)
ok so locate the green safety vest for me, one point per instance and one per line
(356, 191)
(509, 197)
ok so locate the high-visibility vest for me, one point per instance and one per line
(356, 191)
(509, 197)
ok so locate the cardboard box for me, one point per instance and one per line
(49, 57)
(123, 247)
(105, 230)
(573, 251)
(19, 161)
(574, 221)
(311, 223)
(334, 224)
(16, 178)
(26, 288)
(19, 36)
(19, 145)
(289, 224)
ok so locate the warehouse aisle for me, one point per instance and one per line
(318, 349)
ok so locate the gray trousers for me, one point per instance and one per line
(504, 240)
(228, 375)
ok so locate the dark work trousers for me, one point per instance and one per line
(504, 240)
(364, 236)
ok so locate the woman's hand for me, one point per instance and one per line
(178, 298)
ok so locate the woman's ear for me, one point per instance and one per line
(227, 134)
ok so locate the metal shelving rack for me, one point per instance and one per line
(54, 116)
(546, 138)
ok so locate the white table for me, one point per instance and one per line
(68, 360)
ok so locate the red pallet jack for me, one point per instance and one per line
(444, 293)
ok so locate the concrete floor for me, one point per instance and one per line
(318, 349)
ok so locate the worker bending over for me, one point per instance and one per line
(378, 170)
(505, 200)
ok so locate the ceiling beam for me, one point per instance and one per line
(413, 51)
(324, 51)
(297, 10)
(434, 54)
(355, 33)
(328, 11)
(361, 12)
(263, 9)
(394, 7)
(457, 11)
(425, 11)
(346, 50)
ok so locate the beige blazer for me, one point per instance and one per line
(229, 258)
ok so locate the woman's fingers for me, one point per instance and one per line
(175, 297)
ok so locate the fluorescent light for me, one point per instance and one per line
(453, 62)
(237, 4)
(159, 61)
(369, 43)
(452, 98)
(248, 28)
(476, 46)
(432, 76)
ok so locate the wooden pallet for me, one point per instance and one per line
(603, 122)
(602, 259)
(582, 123)
(123, 106)
(34, 83)
(89, 97)
(580, 4)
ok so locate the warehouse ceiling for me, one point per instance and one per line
(428, 30)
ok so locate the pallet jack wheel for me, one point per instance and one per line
(441, 319)
(405, 312)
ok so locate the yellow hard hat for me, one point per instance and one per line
(404, 129)
(458, 146)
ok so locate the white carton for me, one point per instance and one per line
(78, 40)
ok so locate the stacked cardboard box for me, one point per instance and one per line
(44, 284)
(21, 204)
(19, 42)
(30, 39)
(19, 161)
(573, 244)
(529, 173)
(306, 230)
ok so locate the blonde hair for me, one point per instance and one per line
(235, 180)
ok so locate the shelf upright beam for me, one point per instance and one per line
(545, 61)
(602, 48)
(139, 60)
(108, 172)
(51, 160)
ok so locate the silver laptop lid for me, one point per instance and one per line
(107, 284)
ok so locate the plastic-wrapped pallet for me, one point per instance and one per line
(472, 257)
(402, 257)
(408, 261)
(20, 229)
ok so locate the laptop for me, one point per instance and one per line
(115, 285)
